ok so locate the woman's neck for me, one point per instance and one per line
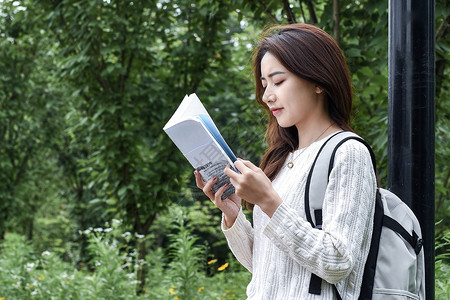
(311, 132)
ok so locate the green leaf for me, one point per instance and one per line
(353, 52)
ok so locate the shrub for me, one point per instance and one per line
(442, 267)
(181, 273)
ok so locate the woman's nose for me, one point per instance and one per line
(268, 96)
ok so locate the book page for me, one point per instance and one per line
(195, 134)
(188, 135)
(210, 161)
(202, 151)
(189, 107)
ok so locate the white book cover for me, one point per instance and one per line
(194, 133)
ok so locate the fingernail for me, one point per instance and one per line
(215, 178)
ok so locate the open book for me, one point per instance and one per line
(195, 134)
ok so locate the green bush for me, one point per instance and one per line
(182, 273)
(17, 268)
(185, 270)
(442, 267)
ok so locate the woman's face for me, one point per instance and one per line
(292, 100)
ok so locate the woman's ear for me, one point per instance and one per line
(318, 90)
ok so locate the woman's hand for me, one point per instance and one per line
(254, 186)
(229, 206)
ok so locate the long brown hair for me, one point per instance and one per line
(313, 55)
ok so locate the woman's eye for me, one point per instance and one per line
(278, 83)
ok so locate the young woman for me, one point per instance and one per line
(303, 83)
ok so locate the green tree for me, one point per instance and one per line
(442, 116)
(86, 87)
(28, 121)
(126, 66)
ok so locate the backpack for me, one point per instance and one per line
(395, 264)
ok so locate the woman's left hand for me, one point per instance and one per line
(254, 186)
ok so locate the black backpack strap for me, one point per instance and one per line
(315, 189)
(315, 284)
(316, 185)
(338, 297)
(371, 262)
(413, 239)
(357, 138)
(317, 180)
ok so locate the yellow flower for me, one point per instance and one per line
(2, 298)
(172, 291)
(222, 267)
(41, 277)
(224, 295)
(212, 261)
(201, 289)
(177, 298)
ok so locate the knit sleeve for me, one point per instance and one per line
(343, 243)
(240, 239)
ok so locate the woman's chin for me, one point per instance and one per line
(284, 124)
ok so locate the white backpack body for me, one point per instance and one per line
(400, 262)
(395, 265)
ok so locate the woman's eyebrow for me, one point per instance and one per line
(272, 74)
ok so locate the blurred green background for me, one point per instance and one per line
(95, 200)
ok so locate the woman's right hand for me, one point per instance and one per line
(229, 206)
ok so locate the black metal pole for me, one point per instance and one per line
(411, 115)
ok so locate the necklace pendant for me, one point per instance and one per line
(290, 164)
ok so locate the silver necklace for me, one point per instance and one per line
(290, 163)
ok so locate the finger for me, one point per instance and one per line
(207, 188)
(230, 172)
(218, 194)
(241, 166)
(248, 164)
(234, 183)
(199, 180)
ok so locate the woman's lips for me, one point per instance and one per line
(275, 110)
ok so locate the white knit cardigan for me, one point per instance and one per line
(282, 251)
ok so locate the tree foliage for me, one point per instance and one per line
(86, 87)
